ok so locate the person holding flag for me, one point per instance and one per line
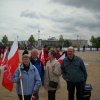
(30, 77)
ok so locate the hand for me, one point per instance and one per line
(20, 77)
(34, 93)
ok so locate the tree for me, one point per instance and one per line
(31, 40)
(67, 43)
(95, 42)
(98, 42)
(5, 40)
(61, 40)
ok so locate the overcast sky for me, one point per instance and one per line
(52, 17)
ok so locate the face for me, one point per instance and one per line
(50, 56)
(70, 53)
(26, 61)
(34, 54)
(57, 49)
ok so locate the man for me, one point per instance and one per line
(30, 79)
(74, 73)
(38, 64)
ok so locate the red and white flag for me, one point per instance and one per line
(60, 60)
(42, 57)
(11, 66)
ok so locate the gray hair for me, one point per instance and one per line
(70, 48)
(34, 50)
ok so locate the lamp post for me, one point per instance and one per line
(38, 34)
(39, 41)
(78, 46)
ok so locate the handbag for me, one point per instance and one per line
(87, 91)
(52, 84)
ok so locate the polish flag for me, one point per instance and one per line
(60, 60)
(11, 66)
(42, 57)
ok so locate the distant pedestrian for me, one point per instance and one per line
(25, 51)
(58, 55)
(84, 48)
(45, 52)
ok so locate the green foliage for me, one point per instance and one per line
(31, 40)
(4, 40)
(61, 40)
(67, 43)
(95, 41)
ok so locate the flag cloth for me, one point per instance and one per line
(60, 60)
(11, 66)
(42, 57)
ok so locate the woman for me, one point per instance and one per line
(52, 73)
(30, 79)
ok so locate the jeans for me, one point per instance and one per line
(79, 90)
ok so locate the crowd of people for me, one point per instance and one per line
(35, 74)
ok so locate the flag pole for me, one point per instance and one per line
(21, 84)
(21, 79)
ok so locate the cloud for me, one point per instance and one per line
(30, 14)
(51, 17)
(87, 4)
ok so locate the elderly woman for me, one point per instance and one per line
(52, 75)
(30, 78)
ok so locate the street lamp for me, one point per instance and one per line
(78, 46)
(39, 41)
(38, 34)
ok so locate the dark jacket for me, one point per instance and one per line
(74, 70)
(38, 64)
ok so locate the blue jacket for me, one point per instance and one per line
(31, 80)
(74, 70)
(38, 64)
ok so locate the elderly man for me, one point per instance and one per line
(74, 73)
(30, 79)
(38, 64)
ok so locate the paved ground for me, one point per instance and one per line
(93, 69)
